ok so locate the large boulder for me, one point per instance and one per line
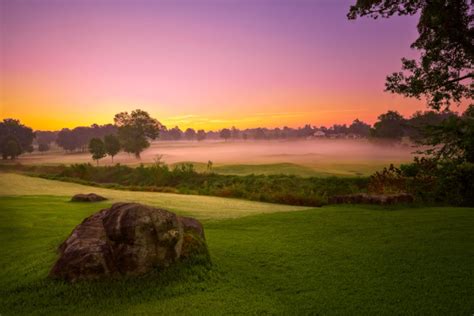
(91, 197)
(128, 239)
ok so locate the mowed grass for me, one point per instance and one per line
(326, 169)
(319, 170)
(332, 260)
(202, 207)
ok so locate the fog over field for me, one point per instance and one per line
(336, 156)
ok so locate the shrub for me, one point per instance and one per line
(388, 181)
(434, 181)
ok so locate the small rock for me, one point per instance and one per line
(91, 197)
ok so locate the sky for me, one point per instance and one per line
(198, 63)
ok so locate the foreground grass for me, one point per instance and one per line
(202, 207)
(332, 260)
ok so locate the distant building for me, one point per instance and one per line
(319, 134)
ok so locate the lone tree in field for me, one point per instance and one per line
(225, 133)
(444, 72)
(112, 145)
(15, 138)
(135, 129)
(97, 149)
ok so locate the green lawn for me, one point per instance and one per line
(201, 207)
(331, 260)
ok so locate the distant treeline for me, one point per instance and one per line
(16, 138)
(390, 125)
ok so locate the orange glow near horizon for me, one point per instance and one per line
(44, 112)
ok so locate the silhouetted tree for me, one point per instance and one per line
(359, 128)
(234, 132)
(306, 131)
(79, 137)
(15, 138)
(225, 133)
(175, 133)
(201, 135)
(46, 137)
(43, 147)
(391, 125)
(67, 140)
(418, 126)
(135, 129)
(453, 138)
(259, 133)
(112, 145)
(444, 71)
(190, 134)
(10, 148)
(97, 149)
(338, 129)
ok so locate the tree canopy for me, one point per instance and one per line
(112, 145)
(135, 129)
(444, 72)
(453, 138)
(42, 147)
(97, 149)
(359, 128)
(225, 133)
(190, 134)
(15, 138)
(390, 126)
(79, 137)
(201, 135)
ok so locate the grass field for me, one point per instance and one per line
(201, 207)
(331, 260)
(341, 169)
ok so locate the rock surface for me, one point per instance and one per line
(127, 239)
(91, 197)
(371, 199)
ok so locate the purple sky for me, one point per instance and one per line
(202, 64)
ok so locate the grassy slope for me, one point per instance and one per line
(332, 260)
(202, 207)
(326, 169)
